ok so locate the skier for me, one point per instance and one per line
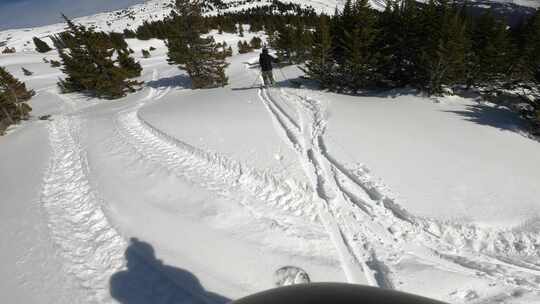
(265, 61)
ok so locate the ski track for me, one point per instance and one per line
(354, 260)
(91, 248)
(376, 231)
(284, 201)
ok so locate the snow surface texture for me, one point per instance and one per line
(173, 194)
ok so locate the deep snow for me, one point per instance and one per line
(223, 187)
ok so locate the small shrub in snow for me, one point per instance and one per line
(129, 33)
(41, 46)
(9, 50)
(244, 47)
(27, 72)
(55, 63)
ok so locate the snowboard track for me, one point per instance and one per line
(378, 231)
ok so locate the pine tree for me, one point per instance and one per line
(55, 63)
(359, 67)
(444, 48)
(491, 45)
(91, 66)
(320, 65)
(302, 41)
(255, 43)
(282, 40)
(41, 46)
(529, 56)
(243, 47)
(200, 57)
(399, 42)
(129, 66)
(129, 34)
(13, 97)
(240, 30)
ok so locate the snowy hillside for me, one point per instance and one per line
(202, 196)
(134, 16)
(129, 18)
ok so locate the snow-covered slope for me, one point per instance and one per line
(177, 195)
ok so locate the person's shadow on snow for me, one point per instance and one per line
(147, 280)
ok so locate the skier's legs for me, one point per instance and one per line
(271, 77)
(266, 79)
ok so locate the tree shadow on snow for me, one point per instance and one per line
(498, 117)
(181, 81)
(148, 280)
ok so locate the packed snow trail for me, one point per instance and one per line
(91, 247)
(376, 231)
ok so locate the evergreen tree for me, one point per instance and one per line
(320, 65)
(13, 97)
(282, 40)
(129, 33)
(442, 60)
(240, 30)
(41, 46)
(359, 67)
(200, 57)
(95, 63)
(243, 47)
(302, 42)
(529, 56)
(491, 45)
(55, 63)
(127, 64)
(255, 43)
(399, 43)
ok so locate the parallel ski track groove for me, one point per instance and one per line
(367, 200)
(301, 139)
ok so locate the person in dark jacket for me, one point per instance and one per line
(265, 61)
